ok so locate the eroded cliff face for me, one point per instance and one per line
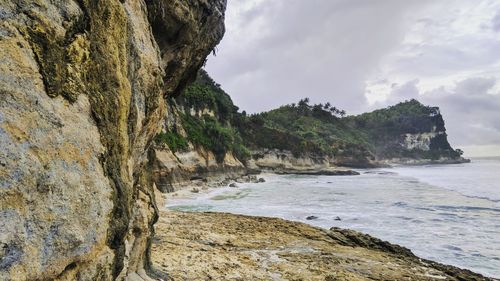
(282, 160)
(174, 170)
(81, 96)
(424, 141)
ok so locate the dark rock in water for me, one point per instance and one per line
(311, 218)
(337, 173)
(253, 171)
(338, 219)
(261, 180)
(319, 172)
(233, 185)
(353, 238)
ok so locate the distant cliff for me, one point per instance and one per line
(306, 132)
(207, 134)
(406, 133)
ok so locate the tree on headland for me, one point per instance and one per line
(304, 108)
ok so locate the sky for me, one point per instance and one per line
(361, 55)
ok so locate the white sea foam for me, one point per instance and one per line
(481, 178)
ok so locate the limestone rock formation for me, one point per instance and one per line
(174, 170)
(285, 162)
(81, 97)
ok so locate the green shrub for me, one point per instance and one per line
(204, 93)
(195, 130)
(221, 138)
(210, 134)
(173, 140)
(241, 152)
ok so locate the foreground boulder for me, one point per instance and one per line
(82, 86)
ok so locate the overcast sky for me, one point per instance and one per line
(365, 54)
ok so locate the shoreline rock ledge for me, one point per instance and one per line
(82, 87)
(221, 246)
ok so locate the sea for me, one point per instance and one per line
(445, 213)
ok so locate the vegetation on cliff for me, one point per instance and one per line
(207, 116)
(212, 121)
(390, 127)
(307, 129)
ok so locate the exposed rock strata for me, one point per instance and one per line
(179, 169)
(234, 247)
(81, 96)
(284, 162)
(174, 171)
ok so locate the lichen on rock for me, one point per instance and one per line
(81, 97)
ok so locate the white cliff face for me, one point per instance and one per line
(198, 113)
(419, 141)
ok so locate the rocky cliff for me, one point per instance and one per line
(407, 133)
(181, 162)
(285, 162)
(82, 87)
(204, 135)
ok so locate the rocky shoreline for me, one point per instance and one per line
(221, 246)
(319, 172)
(420, 162)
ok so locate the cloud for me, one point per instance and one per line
(359, 54)
(475, 86)
(496, 22)
(279, 51)
(470, 109)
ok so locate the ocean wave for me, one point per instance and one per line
(466, 208)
